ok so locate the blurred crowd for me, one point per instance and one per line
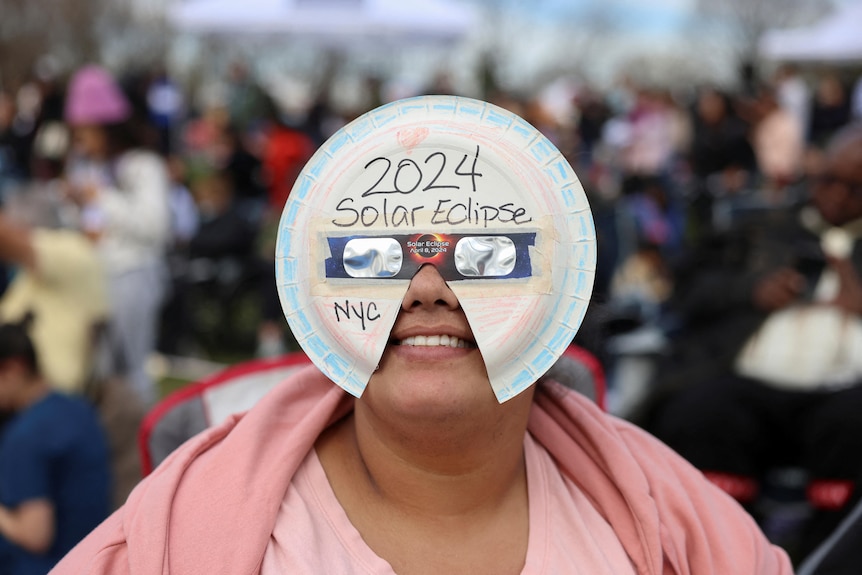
(174, 199)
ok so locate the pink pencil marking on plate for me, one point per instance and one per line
(412, 137)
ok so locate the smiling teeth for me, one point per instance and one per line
(435, 341)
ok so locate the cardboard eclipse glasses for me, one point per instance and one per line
(456, 256)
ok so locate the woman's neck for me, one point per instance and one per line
(32, 393)
(413, 492)
(440, 467)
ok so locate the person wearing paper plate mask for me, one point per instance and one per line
(123, 193)
(434, 260)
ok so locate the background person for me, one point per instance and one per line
(54, 471)
(770, 349)
(123, 190)
(60, 280)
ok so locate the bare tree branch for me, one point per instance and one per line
(745, 21)
(74, 32)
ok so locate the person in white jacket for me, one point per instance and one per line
(123, 191)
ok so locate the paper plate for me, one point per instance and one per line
(428, 171)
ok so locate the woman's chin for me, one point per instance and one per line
(431, 390)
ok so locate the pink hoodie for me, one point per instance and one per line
(210, 507)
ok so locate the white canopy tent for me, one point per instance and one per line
(334, 23)
(837, 38)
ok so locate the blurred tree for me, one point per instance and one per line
(743, 22)
(550, 39)
(668, 68)
(74, 32)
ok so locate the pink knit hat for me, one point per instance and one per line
(95, 98)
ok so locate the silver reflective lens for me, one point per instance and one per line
(485, 256)
(372, 257)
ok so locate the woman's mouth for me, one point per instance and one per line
(443, 340)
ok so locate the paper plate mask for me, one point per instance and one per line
(454, 182)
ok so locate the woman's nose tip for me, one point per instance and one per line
(429, 288)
